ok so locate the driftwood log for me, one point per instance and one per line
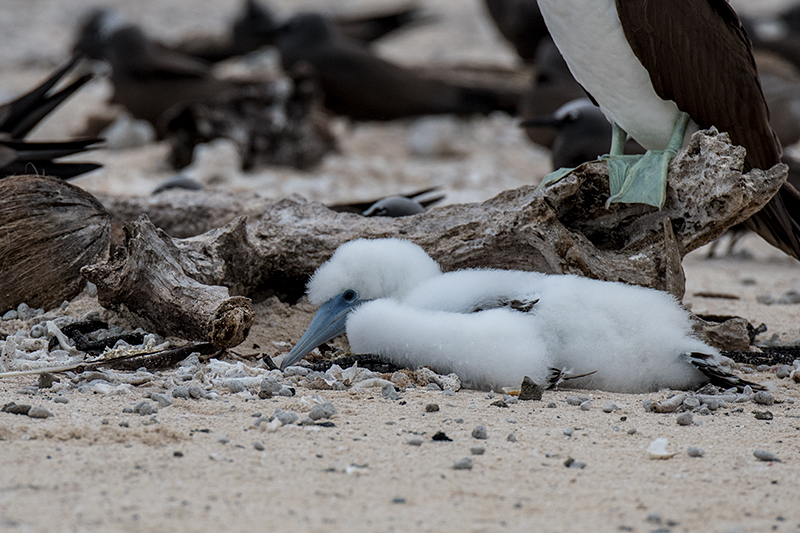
(146, 281)
(49, 229)
(563, 229)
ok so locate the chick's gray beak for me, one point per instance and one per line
(329, 322)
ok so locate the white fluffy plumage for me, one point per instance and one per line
(493, 327)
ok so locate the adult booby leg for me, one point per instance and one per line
(642, 178)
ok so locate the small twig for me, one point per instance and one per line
(148, 360)
(369, 361)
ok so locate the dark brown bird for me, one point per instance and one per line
(521, 23)
(358, 84)
(148, 79)
(252, 29)
(552, 87)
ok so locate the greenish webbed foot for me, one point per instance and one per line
(553, 177)
(641, 178)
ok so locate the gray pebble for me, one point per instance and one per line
(763, 368)
(388, 391)
(285, 417)
(258, 446)
(296, 371)
(791, 296)
(60, 399)
(586, 406)
(511, 420)
(765, 299)
(416, 441)
(551, 405)
(574, 400)
(530, 390)
(632, 431)
(610, 408)
(704, 410)
(510, 400)
(433, 386)
(10, 315)
(196, 392)
(512, 437)
(223, 440)
(480, 433)
(46, 380)
(235, 386)
(783, 371)
(286, 391)
(180, 392)
(763, 397)
(322, 410)
(265, 394)
(762, 455)
(161, 399)
(648, 405)
(691, 403)
(16, 409)
(653, 518)
(124, 424)
(685, 418)
(39, 412)
(713, 405)
(568, 432)
(477, 450)
(145, 408)
(127, 410)
(463, 464)
(693, 451)
(569, 462)
(24, 312)
(38, 331)
(431, 407)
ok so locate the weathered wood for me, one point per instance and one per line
(563, 229)
(146, 278)
(49, 229)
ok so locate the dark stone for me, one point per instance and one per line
(16, 409)
(529, 390)
(46, 380)
(440, 435)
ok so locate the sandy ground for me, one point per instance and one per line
(195, 465)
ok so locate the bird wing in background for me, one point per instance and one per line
(20, 116)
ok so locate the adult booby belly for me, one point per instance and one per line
(602, 53)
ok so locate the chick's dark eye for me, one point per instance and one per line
(349, 295)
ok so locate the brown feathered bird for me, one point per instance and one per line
(358, 84)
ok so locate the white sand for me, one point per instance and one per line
(73, 472)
